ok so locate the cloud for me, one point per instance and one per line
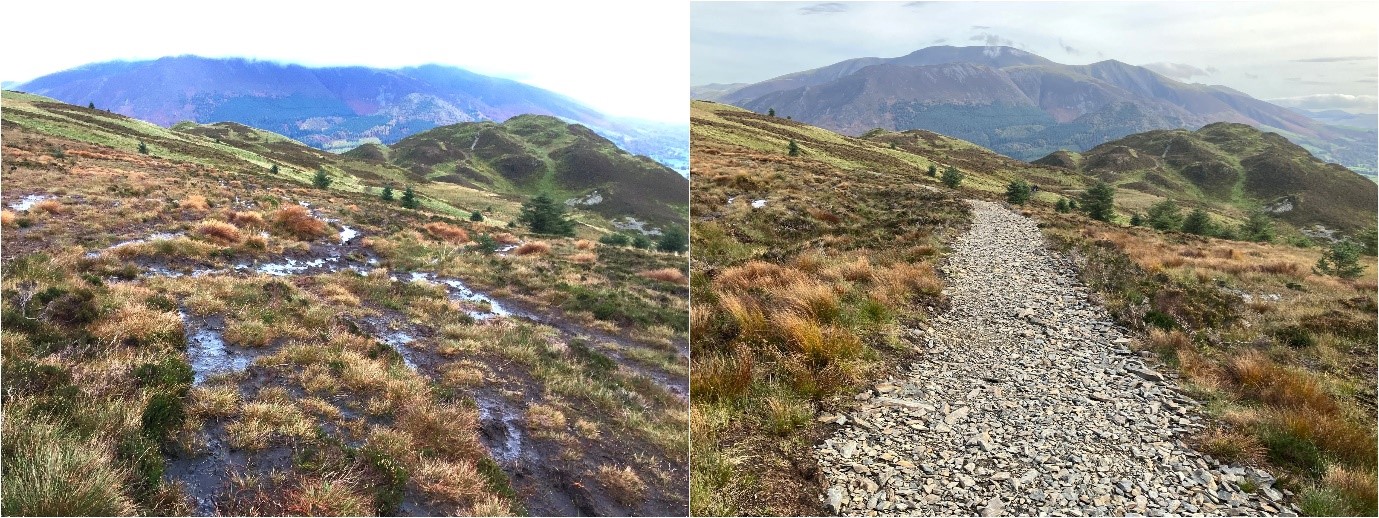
(940, 40)
(916, 4)
(980, 27)
(992, 40)
(1251, 76)
(1333, 59)
(1068, 48)
(1345, 102)
(824, 8)
(1179, 71)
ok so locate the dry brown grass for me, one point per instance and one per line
(446, 429)
(1232, 445)
(533, 248)
(507, 238)
(584, 258)
(584, 244)
(454, 483)
(297, 221)
(1264, 380)
(7, 218)
(624, 483)
(49, 206)
(671, 275)
(246, 219)
(447, 232)
(337, 495)
(195, 202)
(220, 232)
(545, 418)
(1358, 484)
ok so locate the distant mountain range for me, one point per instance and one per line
(336, 108)
(1024, 105)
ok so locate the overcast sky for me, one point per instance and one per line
(622, 58)
(1310, 54)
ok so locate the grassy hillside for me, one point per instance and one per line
(530, 154)
(186, 332)
(808, 272)
(1232, 169)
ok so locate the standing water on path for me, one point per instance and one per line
(27, 202)
(1025, 399)
(208, 353)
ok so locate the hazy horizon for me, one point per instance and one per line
(557, 46)
(1315, 55)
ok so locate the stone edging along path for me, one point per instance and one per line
(1027, 400)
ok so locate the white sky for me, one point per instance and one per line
(1316, 54)
(623, 58)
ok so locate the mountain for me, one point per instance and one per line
(1232, 164)
(334, 108)
(1026, 106)
(530, 154)
(714, 91)
(1342, 118)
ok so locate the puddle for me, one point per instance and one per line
(347, 233)
(208, 353)
(757, 204)
(459, 291)
(27, 202)
(399, 341)
(500, 431)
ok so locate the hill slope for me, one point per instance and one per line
(1026, 106)
(334, 108)
(1233, 164)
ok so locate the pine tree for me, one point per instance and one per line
(1098, 202)
(794, 148)
(952, 177)
(673, 240)
(143, 148)
(476, 216)
(1342, 260)
(1061, 206)
(1018, 192)
(1165, 216)
(543, 215)
(273, 169)
(1258, 228)
(770, 112)
(409, 198)
(933, 170)
(387, 194)
(1198, 222)
(321, 181)
(641, 241)
(91, 105)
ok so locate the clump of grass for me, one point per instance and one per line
(7, 218)
(671, 275)
(246, 219)
(584, 244)
(220, 232)
(1232, 445)
(297, 221)
(1264, 380)
(624, 483)
(456, 483)
(49, 206)
(584, 258)
(328, 496)
(263, 422)
(533, 248)
(195, 202)
(447, 232)
(545, 418)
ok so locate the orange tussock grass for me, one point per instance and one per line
(447, 232)
(296, 220)
(507, 238)
(6, 218)
(533, 248)
(194, 202)
(445, 429)
(247, 219)
(49, 206)
(824, 216)
(1233, 445)
(1281, 268)
(584, 258)
(584, 244)
(220, 232)
(322, 497)
(1354, 444)
(722, 376)
(1268, 382)
(1360, 485)
(671, 275)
